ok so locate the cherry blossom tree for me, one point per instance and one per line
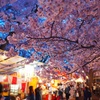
(64, 34)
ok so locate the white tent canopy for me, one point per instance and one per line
(8, 64)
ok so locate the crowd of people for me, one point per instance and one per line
(68, 91)
(32, 95)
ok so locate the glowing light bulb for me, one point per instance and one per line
(87, 77)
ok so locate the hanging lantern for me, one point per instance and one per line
(14, 80)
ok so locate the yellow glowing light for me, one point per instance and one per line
(79, 80)
(40, 81)
(52, 81)
(87, 77)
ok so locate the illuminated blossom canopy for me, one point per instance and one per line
(64, 34)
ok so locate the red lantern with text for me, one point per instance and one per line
(23, 85)
(14, 80)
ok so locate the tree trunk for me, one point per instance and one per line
(90, 80)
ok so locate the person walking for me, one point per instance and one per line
(67, 89)
(89, 94)
(1, 90)
(38, 92)
(60, 93)
(86, 93)
(31, 93)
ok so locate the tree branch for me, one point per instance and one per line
(52, 27)
(91, 46)
(85, 64)
(54, 38)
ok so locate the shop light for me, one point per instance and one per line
(40, 81)
(52, 81)
(79, 80)
(73, 79)
(87, 77)
(48, 84)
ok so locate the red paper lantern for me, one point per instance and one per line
(23, 85)
(14, 80)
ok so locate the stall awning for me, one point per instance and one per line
(7, 65)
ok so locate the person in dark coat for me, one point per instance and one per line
(31, 93)
(67, 89)
(1, 88)
(38, 93)
(60, 93)
(7, 98)
(86, 93)
(89, 94)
